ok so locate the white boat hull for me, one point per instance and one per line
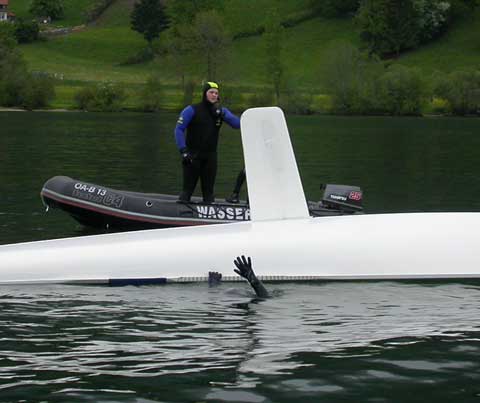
(419, 245)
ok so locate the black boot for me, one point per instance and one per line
(233, 198)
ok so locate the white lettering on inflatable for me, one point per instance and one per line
(223, 213)
(202, 211)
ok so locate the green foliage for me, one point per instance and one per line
(401, 91)
(148, 18)
(345, 77)
(104, 97)
(273, 37)
(211, 41)
(152, 94)
(183, 12)
(334, 8)
(48, 8)
(26, 31)
(358, 85)
(39, 92)
(432, 18)
(18, 87)
(461, 89)
(188, 90)
(297, 102)
(388, 26)
(261, 97)
(7, 38)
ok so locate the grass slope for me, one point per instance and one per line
(74, 11)
(97, 53)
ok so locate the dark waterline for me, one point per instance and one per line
(330, 342)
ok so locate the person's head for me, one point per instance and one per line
(210, 92)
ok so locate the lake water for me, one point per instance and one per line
(327, 341)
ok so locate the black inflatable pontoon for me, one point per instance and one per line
(103, 207)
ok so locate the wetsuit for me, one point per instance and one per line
(197, 132)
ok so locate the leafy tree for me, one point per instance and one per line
(432, 18)
(274, 36)
(104, 96)
(461, 89)
(180, 45)
(149, 19)
(211, 40)
(343, 75)
(18, 87)
(47, 8)
(26, 31)
(183, 12)
(401, 91)
(388, 26)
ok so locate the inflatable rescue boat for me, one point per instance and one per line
(103, 207)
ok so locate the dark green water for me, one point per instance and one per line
(328, 342)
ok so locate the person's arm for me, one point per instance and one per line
(245, 270)
(183, 121)
(230, 118)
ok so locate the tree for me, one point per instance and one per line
(273, 48)
(47, 8)
(388, 26)
(149, 19)
(180, 44)
(183, 12)
(26, 31)
(461, 89)
(212, 41)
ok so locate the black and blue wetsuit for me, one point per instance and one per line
(197, 131)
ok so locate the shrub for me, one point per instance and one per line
(261, 97)
(461, 89)
(152, 94)
(103, 97)
(401, 91)
(439, 105)
(26, 31)
(38, 93)
(47, 8)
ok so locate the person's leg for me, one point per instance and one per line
(191, 173)
(208, 174)
(234, 197)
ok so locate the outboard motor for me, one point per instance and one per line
(342, 197)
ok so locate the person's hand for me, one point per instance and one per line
(244, 268)
(187, 157)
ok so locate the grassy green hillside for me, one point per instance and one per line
(74, 11)
(98, 52)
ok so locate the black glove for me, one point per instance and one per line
(244, 268)
(187, 157)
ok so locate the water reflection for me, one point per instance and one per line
(60, 335)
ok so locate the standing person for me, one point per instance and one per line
(196, 135)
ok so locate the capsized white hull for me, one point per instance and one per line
(382, 246)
